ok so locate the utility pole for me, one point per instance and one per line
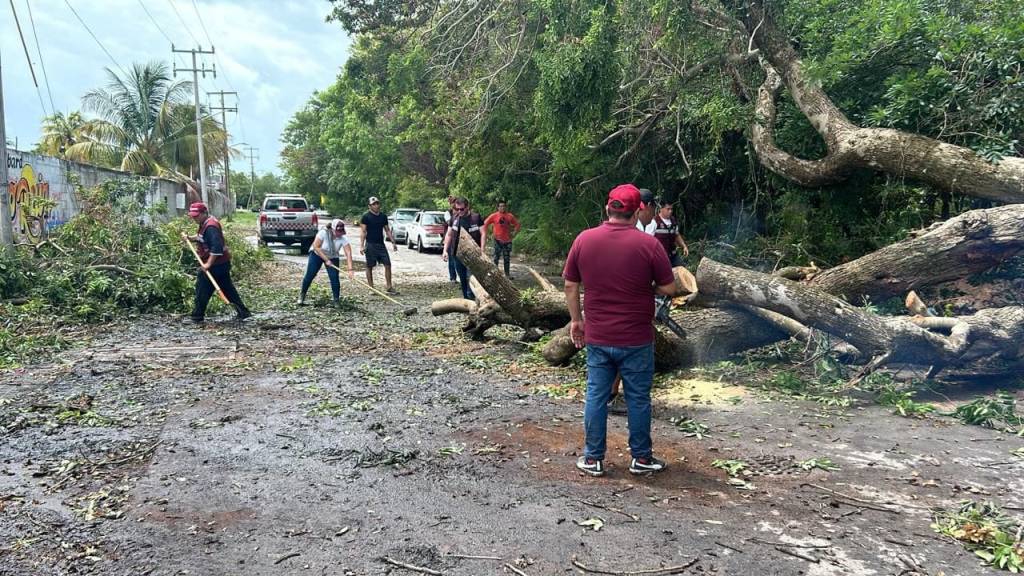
(253, 155)
(6, 230)
(227, 149)
(195, 90)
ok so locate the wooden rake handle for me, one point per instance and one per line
(209, 276)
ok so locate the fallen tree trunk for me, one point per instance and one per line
(969, 243)
(972, 242)
(498, 301)
(992, 335)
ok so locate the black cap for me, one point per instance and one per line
(646, 196)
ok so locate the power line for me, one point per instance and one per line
(28, 58)
(196, 8)
(159, 28)
(195, 92)
(42, 63)
(155, 23)
(87, 29)
(216, 60)
(183, 23)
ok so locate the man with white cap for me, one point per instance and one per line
(374, 226)
(329, 245)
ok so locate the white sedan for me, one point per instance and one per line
(426, 232)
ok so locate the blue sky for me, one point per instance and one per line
(274, 53)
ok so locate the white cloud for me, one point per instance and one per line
(273, 53)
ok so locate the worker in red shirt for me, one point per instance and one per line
(622, 269)
(506, 226)
(215, 258)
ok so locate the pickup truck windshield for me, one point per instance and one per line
(286, 204)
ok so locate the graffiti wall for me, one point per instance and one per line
(42, 196)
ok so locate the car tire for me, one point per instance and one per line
(419, 245)
(304, 247)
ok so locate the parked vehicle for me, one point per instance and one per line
(287, 218)
(427, 231)
(400, 220)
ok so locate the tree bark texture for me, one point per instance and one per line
(850, 147)
(967, 244)
(992, 335)
(970, 243)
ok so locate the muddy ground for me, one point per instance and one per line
(342, 442)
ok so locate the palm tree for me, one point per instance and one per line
(146, 125)
(60, 132)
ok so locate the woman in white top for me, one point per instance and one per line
(327, 249)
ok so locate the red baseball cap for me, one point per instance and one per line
(626, 196)
(197, 208)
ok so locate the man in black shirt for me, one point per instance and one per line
(472, 222)
(374, 226)
(216, 258)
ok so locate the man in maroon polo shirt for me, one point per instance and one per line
(622, 269)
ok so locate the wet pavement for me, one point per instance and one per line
(352, 442)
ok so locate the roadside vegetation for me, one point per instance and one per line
(106, 262)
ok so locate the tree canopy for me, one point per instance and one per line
(143, 123)
(791, 130)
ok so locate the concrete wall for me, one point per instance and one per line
(33, 177)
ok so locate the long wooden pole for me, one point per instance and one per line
(408, 311)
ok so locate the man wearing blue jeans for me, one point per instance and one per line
(462, 219)
(621, 268)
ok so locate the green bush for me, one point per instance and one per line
(102, 263)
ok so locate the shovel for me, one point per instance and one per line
(407, 311)
(208, 275)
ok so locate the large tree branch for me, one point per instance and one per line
(967, 244)
(850, 147)
(992, 335)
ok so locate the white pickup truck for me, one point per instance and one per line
(288, 219)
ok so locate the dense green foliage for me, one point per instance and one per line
(549, 104)
(102, 264)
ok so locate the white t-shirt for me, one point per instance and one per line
(331, 244)
(649, 229)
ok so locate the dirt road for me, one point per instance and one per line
(313, 441)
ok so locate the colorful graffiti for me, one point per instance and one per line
(31, 203)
